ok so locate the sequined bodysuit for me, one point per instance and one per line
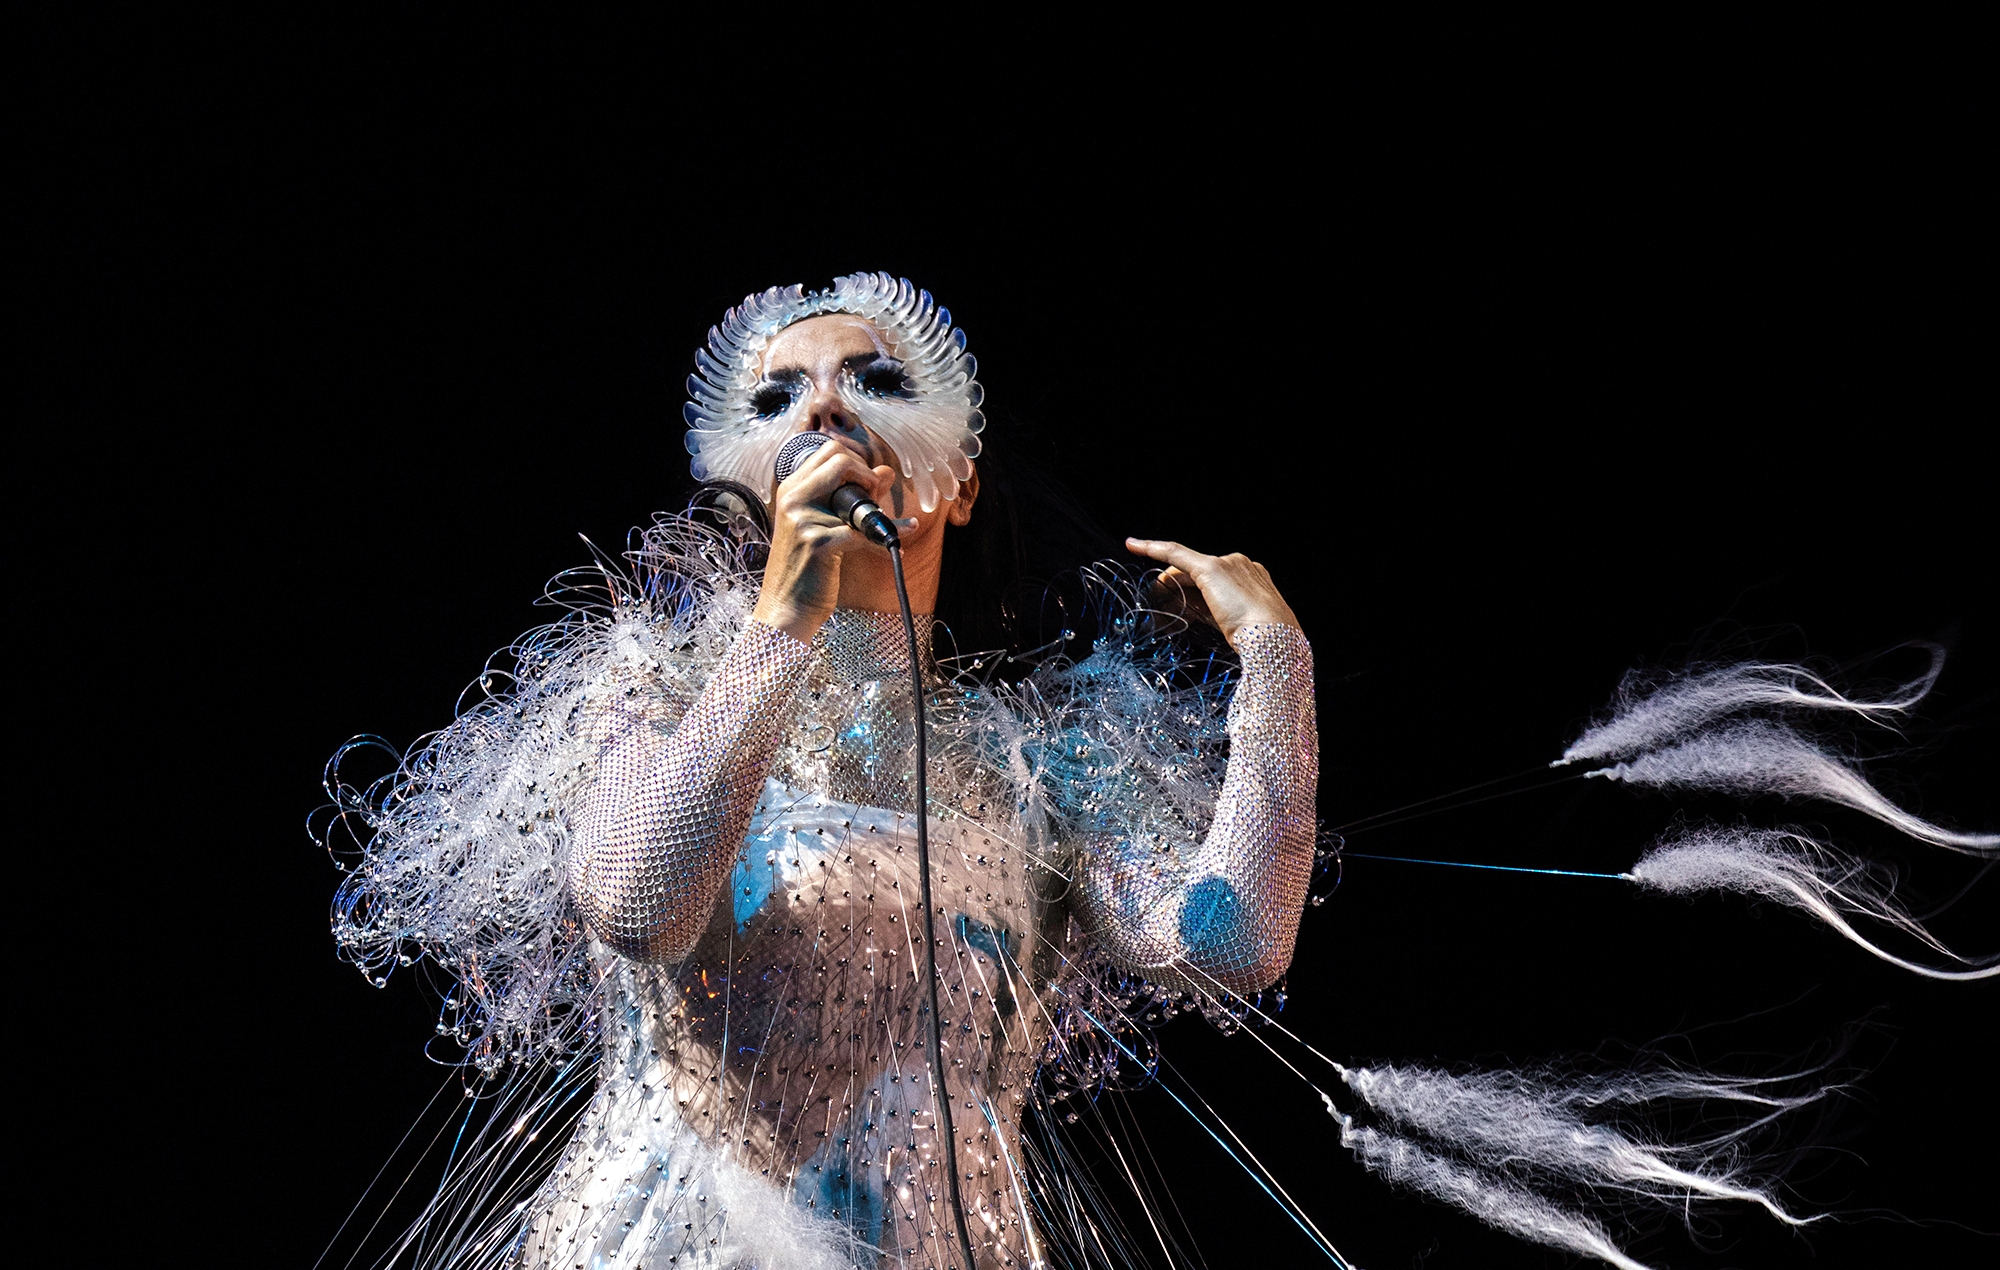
(748, 869)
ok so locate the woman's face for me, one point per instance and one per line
(806, 363)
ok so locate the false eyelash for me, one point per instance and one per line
(773, 399)
(886, 378)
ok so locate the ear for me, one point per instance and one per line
(959, 510)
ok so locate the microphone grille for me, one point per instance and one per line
(794, 452)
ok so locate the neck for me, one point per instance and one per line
(868, 579)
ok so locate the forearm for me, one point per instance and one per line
(1226, 914)
(657, 835)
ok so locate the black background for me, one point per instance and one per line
(1513, 386)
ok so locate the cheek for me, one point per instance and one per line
(903, 496)
(881, 454)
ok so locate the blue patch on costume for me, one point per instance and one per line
(756, 875)
(1208, 914)
(993, 941)
(833, 1185)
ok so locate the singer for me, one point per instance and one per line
(673, 852)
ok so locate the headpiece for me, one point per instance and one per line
(932, 421)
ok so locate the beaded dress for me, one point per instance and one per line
(745, 865)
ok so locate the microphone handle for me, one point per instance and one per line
(852, 504)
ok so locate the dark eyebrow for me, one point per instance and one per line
(792, 374)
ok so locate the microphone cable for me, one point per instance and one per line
(948, 1137)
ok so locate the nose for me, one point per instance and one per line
(825, 411)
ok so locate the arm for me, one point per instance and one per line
(1226, 915)
(657, 835)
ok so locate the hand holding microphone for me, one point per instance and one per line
(826, 496)
(851, 503)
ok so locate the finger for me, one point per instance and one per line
(849, 468)
(880, 482)
(819, 476)
(1187, 559)
(818, 457)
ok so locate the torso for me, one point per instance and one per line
(795, 1034)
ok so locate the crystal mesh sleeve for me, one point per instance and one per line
(656, 836)
(1225, 914)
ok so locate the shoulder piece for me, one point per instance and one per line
(459, 855)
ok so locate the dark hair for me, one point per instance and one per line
(1009, 581)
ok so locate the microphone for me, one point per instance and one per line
(850, 502)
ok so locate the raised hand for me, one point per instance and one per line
(1230, 592)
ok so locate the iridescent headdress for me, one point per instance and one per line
(931, 420)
